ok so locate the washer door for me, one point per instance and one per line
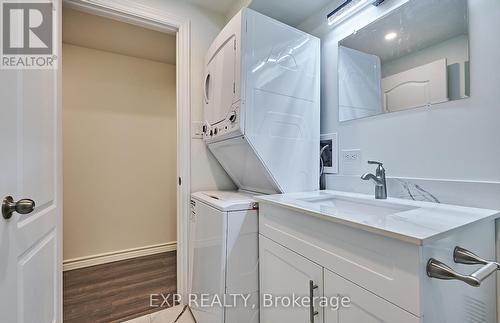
(219, 83)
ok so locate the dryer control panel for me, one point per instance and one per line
(227, 128)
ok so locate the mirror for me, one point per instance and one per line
(416, 55)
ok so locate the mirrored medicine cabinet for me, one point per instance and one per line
(417, 55)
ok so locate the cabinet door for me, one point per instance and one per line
(284, 273)
(364, 306)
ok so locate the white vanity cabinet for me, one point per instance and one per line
(285, 273)
(383, 275)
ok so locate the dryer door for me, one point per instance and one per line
(219, 81)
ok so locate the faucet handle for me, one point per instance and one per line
(373, 162)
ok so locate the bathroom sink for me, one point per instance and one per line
(416, 222)
(343, 206)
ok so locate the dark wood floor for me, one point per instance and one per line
(118, 291)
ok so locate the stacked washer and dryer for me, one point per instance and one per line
(262, 123)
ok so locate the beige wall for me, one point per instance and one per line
(119, 152)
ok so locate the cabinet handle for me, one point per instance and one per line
(312, 312)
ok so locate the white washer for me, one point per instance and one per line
(224, 255)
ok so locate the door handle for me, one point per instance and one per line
(23, 206)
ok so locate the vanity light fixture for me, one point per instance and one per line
(347, 8)
(391, 36)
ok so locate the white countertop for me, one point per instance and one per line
(411, 221)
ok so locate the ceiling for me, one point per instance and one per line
(91, 31)
(419, 24)
(219, 6)
(291, 12)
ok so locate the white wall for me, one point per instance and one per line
(206, 172)
(455, 50)
(458, 140)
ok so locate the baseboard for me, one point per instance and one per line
(104, 258)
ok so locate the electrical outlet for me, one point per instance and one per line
(351, 161)
(351, 155)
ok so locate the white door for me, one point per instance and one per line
(284, 273)
(30, 161)
(364, 306)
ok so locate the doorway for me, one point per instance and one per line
(120, 166)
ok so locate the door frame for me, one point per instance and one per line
(160, 20)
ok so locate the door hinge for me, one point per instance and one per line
(180, 181)
(234, 87)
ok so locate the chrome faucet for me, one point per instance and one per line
(379, 179)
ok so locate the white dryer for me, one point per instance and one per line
(224, 254)
(262, 104)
